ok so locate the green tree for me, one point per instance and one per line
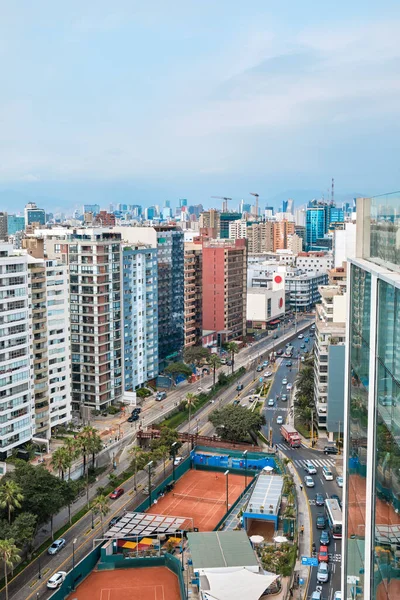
(196, 355)
(139, 460)
(10, 556)
(95, 445)
(233, 349)
(191, 400)
(215, 362)
(84, 441)
(178, 368)
(71, 448)
(24, 529)
(163, 453)
(60, 461)
(100, 506)
(70, 492)
(167, 437)
(236, 423)
(11, 497)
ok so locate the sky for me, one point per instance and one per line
(140, 102)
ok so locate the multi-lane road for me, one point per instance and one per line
(299, 457)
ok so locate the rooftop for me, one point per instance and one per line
(220, 549)
(267, 494)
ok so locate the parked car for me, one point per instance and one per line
(117, 493)
(279, 420)
(309, 481)
(160, 396)
(271, 402)
(310, 469)
(56, 580)
(324, 538)
(330, 450)
(320, 522)
(323, 555)
(323, 573)
(56, 546)
(114, 521)
(319, 500)
(339, 481)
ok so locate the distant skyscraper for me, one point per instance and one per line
(15, 223)
(316, 225)
(93, 208)
(183, 202)
(3, 226)
(269, 212)
(33, 214)
(288, 206)
(225, 219)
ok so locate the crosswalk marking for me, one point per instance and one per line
(317, 463)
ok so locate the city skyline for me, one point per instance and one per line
(114, 105)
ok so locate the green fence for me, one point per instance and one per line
(233, 453)
(75, 577)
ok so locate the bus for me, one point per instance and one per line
(333, 514)
(288, 352)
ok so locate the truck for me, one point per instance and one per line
(291, 436)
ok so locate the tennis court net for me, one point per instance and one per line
(199, 499)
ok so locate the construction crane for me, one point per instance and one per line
(225, 202)
(256, 197)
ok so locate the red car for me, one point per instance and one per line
(116, 493)
(323, 554)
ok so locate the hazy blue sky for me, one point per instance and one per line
(143, 101)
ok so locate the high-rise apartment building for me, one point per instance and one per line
(282, 229)
(316, 225)
(238, 229)
(370, 565)
(33, 214)
(3, 226)
(140, 308)
(295, 243)
(225, 287)
(193, 273)
(209, 223)
(260, 237)
(94, 260)
(16, 361)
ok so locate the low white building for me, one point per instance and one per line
(264, 305)
(314, 262)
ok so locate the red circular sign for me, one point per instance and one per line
(278, 279)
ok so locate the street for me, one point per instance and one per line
(299, 456)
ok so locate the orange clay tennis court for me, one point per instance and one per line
(196, 486)
(385, 513)
(154, 583)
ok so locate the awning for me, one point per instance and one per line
(236, 585)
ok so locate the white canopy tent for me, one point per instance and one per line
(235, 586)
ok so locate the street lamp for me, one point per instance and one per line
(149, 465)
(40, 570)
(227, 489)
(245, 468)
(182, 549)
(173, 459)
(92, 519)
(73, 563)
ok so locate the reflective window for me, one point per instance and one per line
(385, 230)
(360, 320)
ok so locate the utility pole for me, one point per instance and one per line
(312, 428)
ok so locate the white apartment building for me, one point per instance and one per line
(59, 347)
(16, 361)
(295, 243)
(344, 243)
(329, 350)
(314, 262)
(238, 229)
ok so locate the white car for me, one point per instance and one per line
(279, 420)
(271, 402)
(56, 580)
(178, 460)
(310, 469)
(289, 387)
(284, 381)
(323, 573)
(309, 481)
(339, 481)
(300, 336)
(265, 363)
(268, 374)
(337, 596)
(56, 546)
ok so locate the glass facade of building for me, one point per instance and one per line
(372, 456)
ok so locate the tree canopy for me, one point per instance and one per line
(178, 368)
(196, 355)
(236, 423)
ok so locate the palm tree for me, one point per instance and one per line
(233, 349)
(95, 445)
(60, 461)
(191, 400)
(72, 450)
(84, 443)
(139, 459)
(10, 497)
(101, 506)
(10, 556)
(215, 362)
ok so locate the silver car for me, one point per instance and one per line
(323, 573)
(56, 546)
